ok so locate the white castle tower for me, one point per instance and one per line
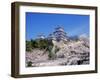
(60, 34)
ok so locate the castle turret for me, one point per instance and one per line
(41, 36)
(60, 34)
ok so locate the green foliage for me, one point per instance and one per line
(43, 44)
(28, 46)
(29, 64)
(51, 56)
(35, 43)
(56, 50)
(52, 53)
(38, 43)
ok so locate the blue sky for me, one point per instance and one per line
(37, 23)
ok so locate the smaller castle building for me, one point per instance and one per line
(41, 36)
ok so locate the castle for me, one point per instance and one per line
(59, 35)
